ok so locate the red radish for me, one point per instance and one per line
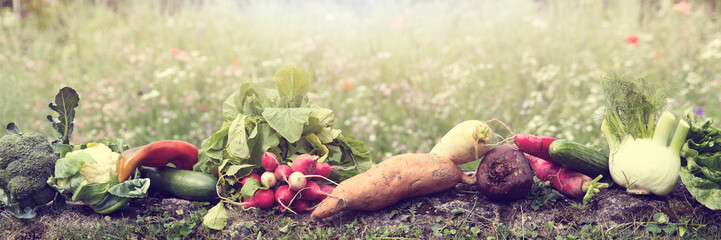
(263, 199)
(305, 163)
(252, 175)
(311, 192)
(297, 181)
(324, 169)
(283, 195)
(570, 183)
(301, 206)
(534, 145)
(270, 161)
(326, 189)
(282, 172)
(268, 178)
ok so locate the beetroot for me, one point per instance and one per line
(504, 174)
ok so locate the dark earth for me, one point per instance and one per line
(458, 213)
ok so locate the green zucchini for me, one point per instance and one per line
(184, 184)
(579, 157)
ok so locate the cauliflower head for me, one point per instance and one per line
(104, 166)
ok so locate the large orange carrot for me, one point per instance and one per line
(394, 179)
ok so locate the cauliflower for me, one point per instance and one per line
(88, 174)
(26, 162)
(104, 166)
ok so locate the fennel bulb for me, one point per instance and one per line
(647, 165)
(640, 158)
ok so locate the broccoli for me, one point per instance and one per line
(27, 160)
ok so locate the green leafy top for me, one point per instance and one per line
(632, 106)
(65, 103)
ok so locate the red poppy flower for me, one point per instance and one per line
(177, 53)
(682, 7)
(348, 86)
(632, 39)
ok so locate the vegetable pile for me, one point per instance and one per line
(279, 121)
(276, 151)
(565, 164)
(89, 174)
(413, 174)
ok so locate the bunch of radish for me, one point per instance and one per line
(291, 187)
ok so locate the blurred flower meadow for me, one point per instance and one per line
(397, 74)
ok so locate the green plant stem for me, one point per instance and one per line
(679, 137)
(663, 128)
(611, 138)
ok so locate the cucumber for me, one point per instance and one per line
(184, 184)
(579, 157)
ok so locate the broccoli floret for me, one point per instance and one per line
(27, 160)
(3, 178)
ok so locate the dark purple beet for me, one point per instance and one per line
(504, 174)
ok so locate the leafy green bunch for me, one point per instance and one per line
(281, 121)
(702, 152)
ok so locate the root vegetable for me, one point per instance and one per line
(263, 199)
(570, 183)
(410, 175)
(269, 161)
(394, 179)
(252, 175)
(282, 172)
(504, 174)
(312, 192)
(326, 189)
(534, 145)
(296, 181)
(268, 178)
(301, 206)
(466, 142)
(284, 196)
(305, 163)
(324, 169)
